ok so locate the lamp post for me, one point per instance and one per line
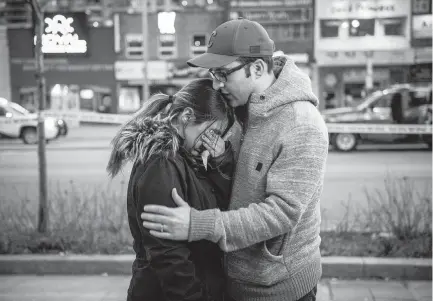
(144, 29)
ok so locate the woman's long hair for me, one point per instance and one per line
(152, 129)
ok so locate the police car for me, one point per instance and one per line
(400, 114)
(18, 123)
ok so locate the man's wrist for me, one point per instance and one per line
(202, 224)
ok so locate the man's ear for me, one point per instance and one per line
(259, 68)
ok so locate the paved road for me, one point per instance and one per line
(113, 288)
(347, 175)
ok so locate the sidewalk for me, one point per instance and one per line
(113, 288)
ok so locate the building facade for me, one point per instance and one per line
(290, 23)
(176, 33)
(5, 83)
(79, 76)
(421, 70)
(361, 45)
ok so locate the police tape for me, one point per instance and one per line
(375, 128)
(92, 117)
(102, 118)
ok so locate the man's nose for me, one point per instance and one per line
(216, 84)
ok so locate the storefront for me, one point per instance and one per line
(421, 70)
(343, 74)
(79, 65)
(360, 46)
(166, 77)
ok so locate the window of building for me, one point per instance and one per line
(361, 27)
(394, 27)
(297, 31)
(308, 31)
(167, 46)
(134, 46)
(330, 28)
(273, 31)
(198, 44)
(421, 6)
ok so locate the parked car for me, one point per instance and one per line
(18, 123)
(399, 104)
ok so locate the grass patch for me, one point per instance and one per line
(395, 223)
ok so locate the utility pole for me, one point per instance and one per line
(39, 58)
(144, 29)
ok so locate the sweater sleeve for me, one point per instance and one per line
(169, 259)
(292, 180)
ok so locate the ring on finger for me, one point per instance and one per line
(162, 228)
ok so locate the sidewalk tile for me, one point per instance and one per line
(421, 290)
(342, 290)
(389, 290)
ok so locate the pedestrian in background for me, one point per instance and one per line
(271, 230)
(164, 141)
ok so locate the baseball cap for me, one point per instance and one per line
(233, 39)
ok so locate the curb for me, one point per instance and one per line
(332, 267)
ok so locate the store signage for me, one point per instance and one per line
(356, 58)
(422, 26)
(65, 33)
(346, 9)
(134, 70)
(290, 15)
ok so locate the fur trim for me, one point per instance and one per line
(138, 140)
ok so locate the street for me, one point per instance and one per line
(114, 288)
(347, 175)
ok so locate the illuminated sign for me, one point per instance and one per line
(65, 33)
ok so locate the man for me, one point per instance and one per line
(271, 231)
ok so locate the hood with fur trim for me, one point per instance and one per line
(138, 140)
(291, 85)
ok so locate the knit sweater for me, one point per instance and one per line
(271, 232)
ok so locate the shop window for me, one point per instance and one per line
(29, 98)
(361, 27)
(308, 31)
(394, 27)
(421, 6)
(273, 31)
(198, 44)
(129, 99)
(330, 28)
(167, 46)
(134, 46)
(296, 31)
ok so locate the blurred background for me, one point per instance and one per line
(369, 61)
(347, 47)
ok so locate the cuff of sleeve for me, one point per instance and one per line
(202, 225)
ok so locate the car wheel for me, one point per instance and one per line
(29, 135)
(345, 142)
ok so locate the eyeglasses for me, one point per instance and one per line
(221, 74)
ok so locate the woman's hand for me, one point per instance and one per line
(213, 143)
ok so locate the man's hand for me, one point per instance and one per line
(168, 223)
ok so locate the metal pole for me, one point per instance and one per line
(39, 57)
(144, 28)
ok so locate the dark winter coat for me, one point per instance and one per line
(175, 270)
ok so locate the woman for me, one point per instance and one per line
(165, 140)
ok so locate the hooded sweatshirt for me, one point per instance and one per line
(271, 231)
(163, 269)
